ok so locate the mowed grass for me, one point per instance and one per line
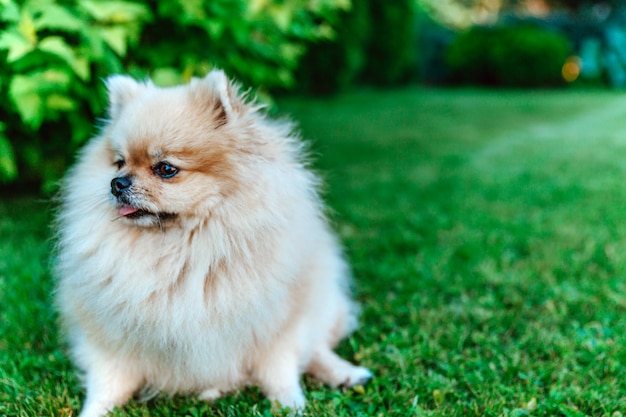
(487, 234)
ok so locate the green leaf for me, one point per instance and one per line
(192, 10)
(9, 11)
(55, 45)
(256, 7)
(27, 27)
(166, 77)
(291, 52)
(116, 11)
(54, 16)
(30, 106)
(285, 76)
(17, 44)
(111, 62)
(115, 37)
(81, 68)
(54, 77)
(60, 102)
(8, 167)
(282, 15)
(215, 27)
(94, 45)
(324, 31)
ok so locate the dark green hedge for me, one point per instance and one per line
(375, 45)
(391, 47)
(518, 56)
(333, 65)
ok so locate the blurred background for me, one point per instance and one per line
(55, 54)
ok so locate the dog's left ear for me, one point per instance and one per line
(218, 95)
(122, 89)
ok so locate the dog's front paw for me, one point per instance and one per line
(291, 400)
(210, 394)
(357, 375)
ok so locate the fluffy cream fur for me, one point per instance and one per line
(220, 276)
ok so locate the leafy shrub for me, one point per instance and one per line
(520, 56)
(260, 41)
(54, 55)
(53, 58)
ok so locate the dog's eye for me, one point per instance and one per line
(119, 163)
(165, 170)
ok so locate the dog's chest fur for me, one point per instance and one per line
(182, 307)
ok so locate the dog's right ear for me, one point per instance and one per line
(218, 95)
(121, 90)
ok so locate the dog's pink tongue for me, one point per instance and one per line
(126, 210)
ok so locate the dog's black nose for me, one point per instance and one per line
(119, 184)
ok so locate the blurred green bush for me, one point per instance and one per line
(375, 44)
(54, 55)
(512, 56)
(332, 65)
(392, 43)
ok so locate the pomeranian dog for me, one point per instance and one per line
(194, 256)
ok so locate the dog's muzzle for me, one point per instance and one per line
(119, 185)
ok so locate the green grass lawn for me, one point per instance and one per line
(487, 233)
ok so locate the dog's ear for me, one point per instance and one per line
(121, 89)
(218, 95)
